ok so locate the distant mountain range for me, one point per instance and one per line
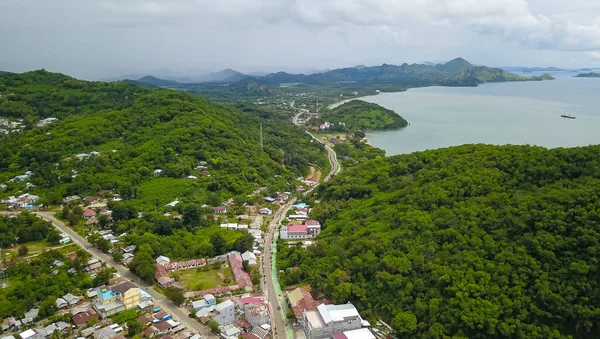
(456, 72)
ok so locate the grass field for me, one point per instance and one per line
(194, 279)
(37, 247)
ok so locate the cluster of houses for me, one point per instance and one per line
(280, 199)
(202, 167)
(25, 200)
(245, 316)
(45, 122)
(106, 301)
(7, 126)
(82, 156)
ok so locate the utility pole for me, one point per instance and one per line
(261, 139)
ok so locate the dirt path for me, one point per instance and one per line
(314, 173)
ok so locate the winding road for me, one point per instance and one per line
(282, 329)
(158, 299)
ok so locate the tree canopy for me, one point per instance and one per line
(472, 241)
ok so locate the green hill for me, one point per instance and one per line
(154, 81)
(588, 75)
(137, 131)
(473, 241)
(455, 65)
(358, 114)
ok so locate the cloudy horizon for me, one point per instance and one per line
(111, 38)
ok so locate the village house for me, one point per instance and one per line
(265, 211)
(249, 257)
(82, 318)
(220, 210)
(162, 260)
(89, 213)
(207, 301)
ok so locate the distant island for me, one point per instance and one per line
(361, 115)
(588, 75)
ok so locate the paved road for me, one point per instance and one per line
(158, 299)
(282, 330)
(278, 321)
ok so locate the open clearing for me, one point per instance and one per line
(194, 279)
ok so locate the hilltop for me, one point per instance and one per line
(136, 131)
(358, 114)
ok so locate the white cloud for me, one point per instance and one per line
(90, 37)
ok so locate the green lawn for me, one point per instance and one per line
(37, 247)
(194, 279)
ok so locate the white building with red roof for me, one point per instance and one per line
(89, 213)
(294, 232)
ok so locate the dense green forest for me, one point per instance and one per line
(358, 114)
(137, 131)
(474, 241)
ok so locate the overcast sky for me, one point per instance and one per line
(99, 39)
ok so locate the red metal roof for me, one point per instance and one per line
(297, 228)
(89, 213)
(242, 278)
(83, 317)
(312, 223)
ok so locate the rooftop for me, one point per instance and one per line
(297, 228)
(331, 313)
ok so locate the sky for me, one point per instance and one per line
(102, 39)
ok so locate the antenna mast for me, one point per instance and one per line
(261, 139)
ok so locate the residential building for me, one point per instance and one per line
(163, 260)
(301, 300)
(265, 211)
(89, 213)
(225, 313)
(330, 319)
(117, 298)
(207, 301)
(313, 227)
(82, 318)
(256, 314)
(249, 257)
(220, 210)
(294, 232)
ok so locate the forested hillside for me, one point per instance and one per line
(473, 241)
(137, 131)
(364, 115)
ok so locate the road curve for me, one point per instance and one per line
(158, 299)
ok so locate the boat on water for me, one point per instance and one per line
(567, 116)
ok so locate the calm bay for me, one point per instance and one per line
(496, 113)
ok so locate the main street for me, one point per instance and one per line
(158, 299)
(268, 268)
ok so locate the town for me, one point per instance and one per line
(220, 296)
